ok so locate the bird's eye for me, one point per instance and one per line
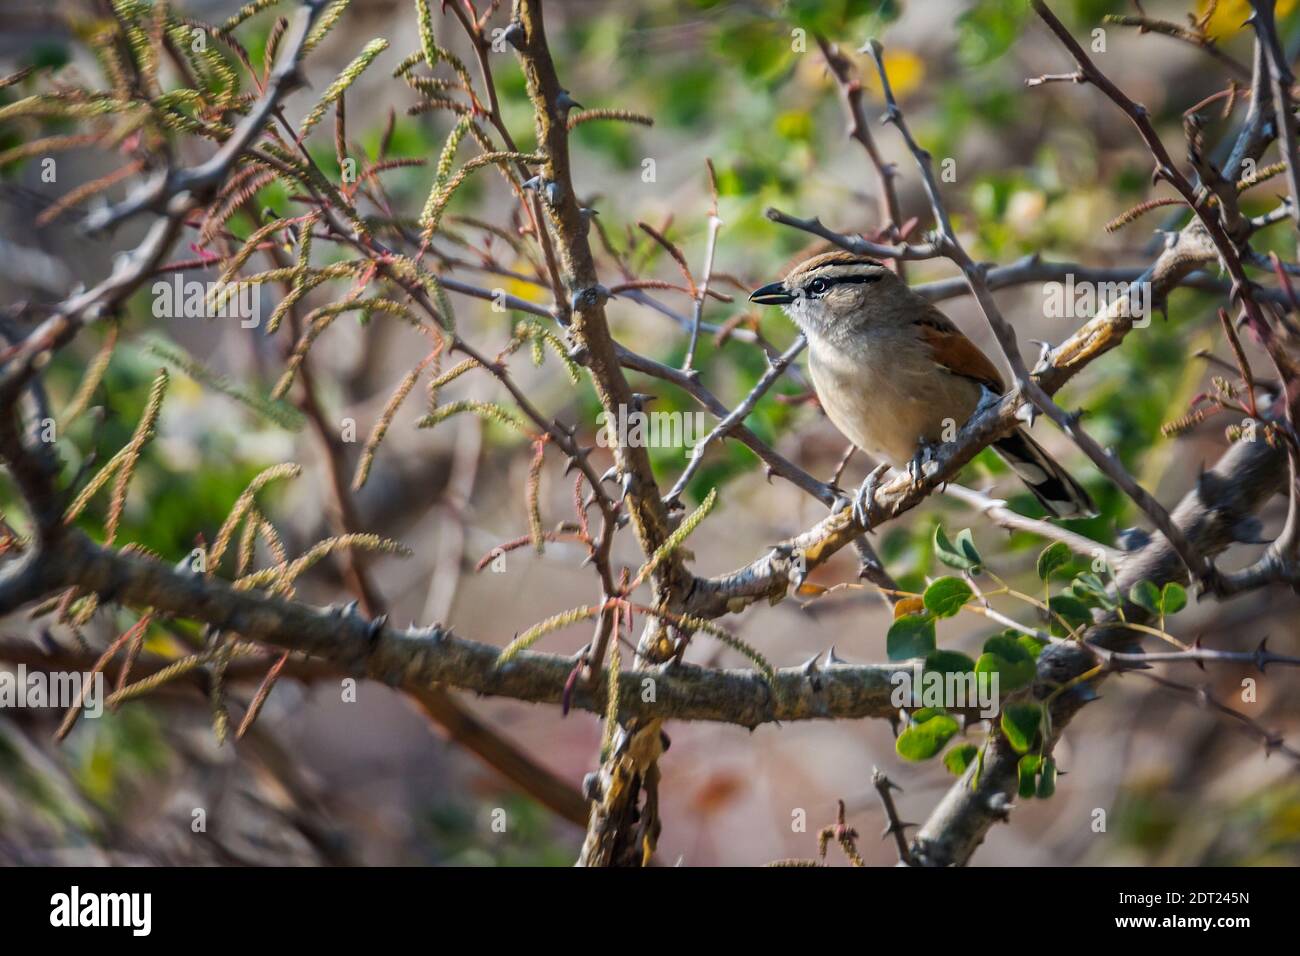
(818, 286)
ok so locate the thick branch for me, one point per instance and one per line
(417, 659)
(589, 326)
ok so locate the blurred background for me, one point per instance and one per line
(324, 781)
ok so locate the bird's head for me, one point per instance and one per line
(832, 293)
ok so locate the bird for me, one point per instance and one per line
(895, 375)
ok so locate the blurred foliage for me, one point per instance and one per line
(508, 831)
(114, 756)
(1261, 827)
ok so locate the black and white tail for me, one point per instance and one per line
(1060, 494)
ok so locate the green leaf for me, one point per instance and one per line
(760, 53)
(1047, 779)
(962, 555)
(1032, 645)
(1020, 725)
(948, 662)
(1070, 609)
(959, 758)
(910, 636)
(1027, 769)
(966, 545)
(828, 17)
(1010, 676)
(945, 597)
(987, 30)
(1090, 589)
(1146, 596)
(1173, 598)
(925, 713)
(1007, 646)
(1003, 655)
(1053, 556)
(921, 741)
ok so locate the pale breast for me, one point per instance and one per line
(887, 398)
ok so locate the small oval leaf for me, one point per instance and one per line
(910, 636)
(959, 758)
(1027, 770)
(1012, 675)
(1146, 596)
(1173, 598)
(1054, 556)
(948, 662)
(1090, 589)
(961, 555)
(1007, 646)
(1020, 725)
(922, 741)
(946, 596)
(1047, 779)
(1069, 609)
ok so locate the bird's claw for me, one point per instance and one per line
(866, 497)
(919, 466)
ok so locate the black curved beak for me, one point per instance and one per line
(771, 294)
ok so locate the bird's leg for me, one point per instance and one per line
(921, 465)
(866, 497)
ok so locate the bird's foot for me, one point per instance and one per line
(923, 464)
(866, 497)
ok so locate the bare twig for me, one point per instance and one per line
(997, 509)
(703, 292)
(1192, 37)
(859, 129)
(735, 417)
(894, 826)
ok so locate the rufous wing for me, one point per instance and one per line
(956, 353)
